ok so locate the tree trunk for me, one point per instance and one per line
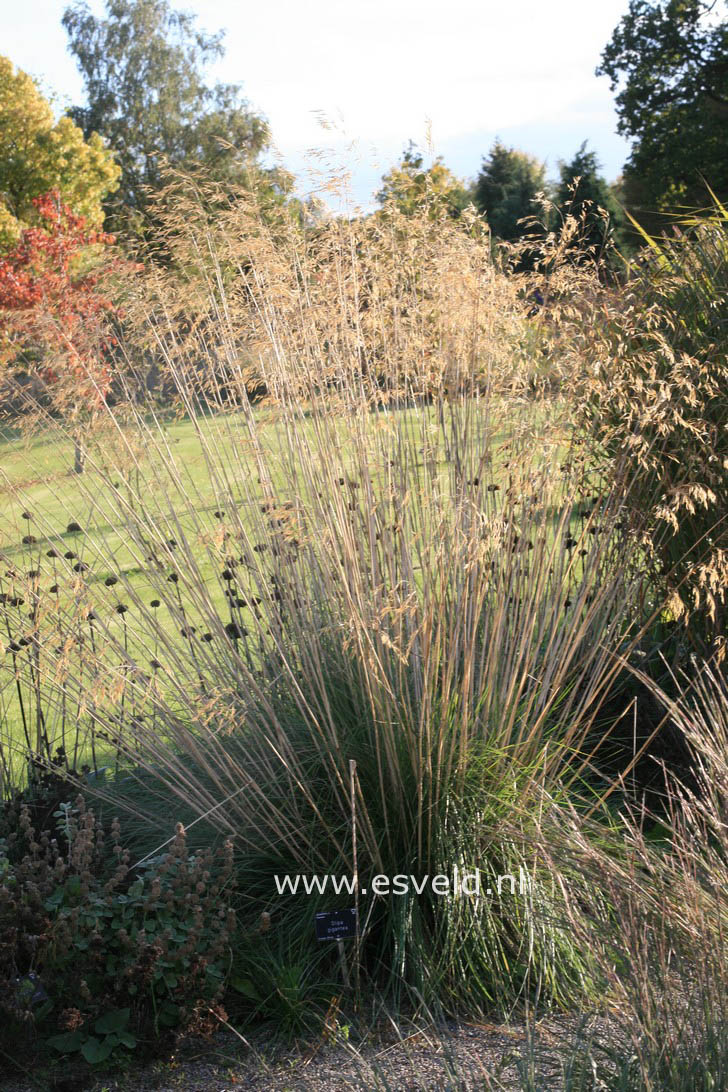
(78, 455)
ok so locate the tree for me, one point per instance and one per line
(38, 154)
(143, 70)
(410, 185)
(584, 194)
(506, 188)
(55, 317)
(670, 60)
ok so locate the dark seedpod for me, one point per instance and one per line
(69, 555)
(110, 581)
(80, 567)
(234, 631)
(154, 603)
(173, 578)
(52, 553)
(121, 608)
(73, 528)
(29, 540)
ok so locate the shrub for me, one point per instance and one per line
(98, 958)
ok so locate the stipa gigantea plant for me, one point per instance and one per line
(652, 355)
(662, 944)
(391, 561)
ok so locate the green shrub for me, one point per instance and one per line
(97, 958)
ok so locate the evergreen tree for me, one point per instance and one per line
(584, 194)
(506, 188)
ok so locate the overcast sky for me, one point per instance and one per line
(385, 71)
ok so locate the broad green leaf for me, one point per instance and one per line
(95, 1050)
(116, 1020)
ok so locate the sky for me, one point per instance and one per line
(346, 84)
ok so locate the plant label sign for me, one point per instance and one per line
(335, 924)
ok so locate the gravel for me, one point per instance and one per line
(464, 1056)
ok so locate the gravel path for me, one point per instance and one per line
(467, 1056)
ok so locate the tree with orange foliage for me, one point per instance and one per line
(56, 319)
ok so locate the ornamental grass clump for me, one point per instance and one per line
(650, 366)
(659, 931)
(378, 547)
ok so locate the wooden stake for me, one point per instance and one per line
(352, 781)
(342, 960)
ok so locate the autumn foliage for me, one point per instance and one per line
(56, 316)
(38, 154)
